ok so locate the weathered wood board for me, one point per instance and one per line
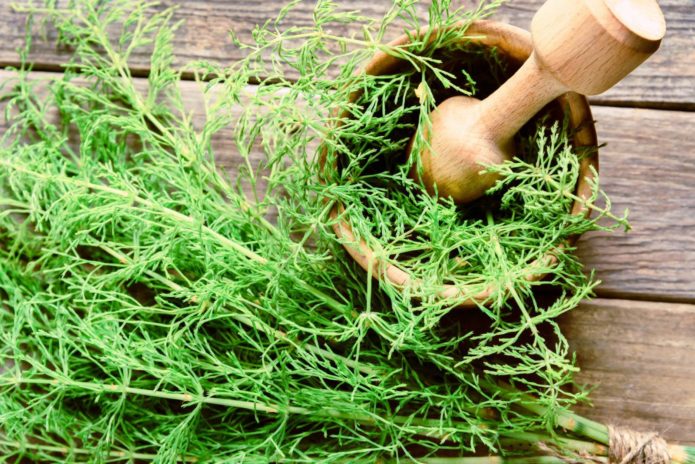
(666, 80)
(641, 358)
(647, 166)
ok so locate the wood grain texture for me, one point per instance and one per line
(640, 356)
(666, 80)
(647, 166)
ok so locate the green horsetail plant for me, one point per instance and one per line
(157, 309)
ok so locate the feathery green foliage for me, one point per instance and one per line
(153, 308)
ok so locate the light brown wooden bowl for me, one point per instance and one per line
(514, 44)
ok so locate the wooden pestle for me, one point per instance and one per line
(585, 46)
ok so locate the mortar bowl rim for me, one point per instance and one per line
(515, 43)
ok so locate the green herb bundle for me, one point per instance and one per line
(155, 309)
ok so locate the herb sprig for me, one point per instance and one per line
(154, 309)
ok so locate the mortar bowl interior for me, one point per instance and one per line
(513, 45)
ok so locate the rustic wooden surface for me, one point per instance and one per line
(637, 342)
(666, 80)
(648, 167)
(640, 356)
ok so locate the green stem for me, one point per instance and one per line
(176, 218)
(572, 422)
(491, 460)
(427, 427)
(69, 450)
(526, 438)
(599, 432)
(256, 324)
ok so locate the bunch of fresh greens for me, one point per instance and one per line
(155, 309)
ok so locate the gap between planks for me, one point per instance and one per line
(187, 76)
(666, 80)
(640, 356)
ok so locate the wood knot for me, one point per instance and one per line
(626, 446)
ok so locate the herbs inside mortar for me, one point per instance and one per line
(155, 308)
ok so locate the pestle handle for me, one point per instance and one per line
(585, 46)
(523, 95)
(590, 45)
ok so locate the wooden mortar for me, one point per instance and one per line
(515, 45)
(585, 46)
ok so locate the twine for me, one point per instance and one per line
(625, 446)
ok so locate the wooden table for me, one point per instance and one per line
(636, 341)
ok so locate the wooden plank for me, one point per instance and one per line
(666, 80)
(641, 358)
(647, 167)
